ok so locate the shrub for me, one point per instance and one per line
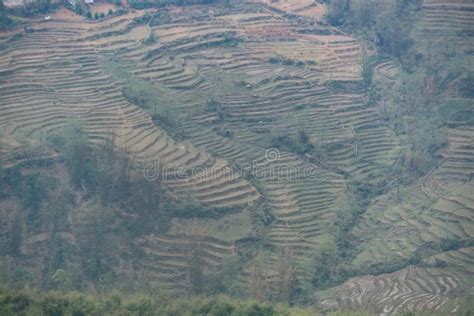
(6, 22)
(299, 145)
(447, 244)
(56, 303)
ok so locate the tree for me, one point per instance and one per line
(110, 12)
(225, 279)
(2, 170)
(26, 8)
(425, 139)
(394, 26)
(149, 202)
(79, 9)
(55, 210)
(61, 279)
(32, 194)
(16, 233)
(195, 263)
(45, 5)
(89, 14)
(57, 254)
(6, 22)
(322, 265)
(96, 246)
(286, 271)
(258, 280)
(194, 255)
(336, 11)
(365, 12)
(77, 154)
(367, 69)
(113, 170)
(346, 210)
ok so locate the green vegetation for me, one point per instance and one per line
(6, 22)
(151, 98)
(388, 24)
(55, 303)
(299, 144)
(322, 267)
(115, 303)
(287, 62)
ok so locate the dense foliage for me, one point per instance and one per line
(56, 303)
(115, 303)
(6, 22)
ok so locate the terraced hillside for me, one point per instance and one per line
(449, 18)
(54, 75)
(413, 288)
(307, 8)
(167, 259)
(46, 84)
(302, 206)
(232, 82)
(416, 225)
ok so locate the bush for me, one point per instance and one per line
(323, 264)
(447, 244)
(56, 303)
(79, 10)
(299, 145)
(6, 22)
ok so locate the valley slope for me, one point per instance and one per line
(234, 79)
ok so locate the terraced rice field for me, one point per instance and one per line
(438, 207)
(401, 226)
(167, 259)
(306, 8)
(269, 75)
(449, 18)
(416, 289)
